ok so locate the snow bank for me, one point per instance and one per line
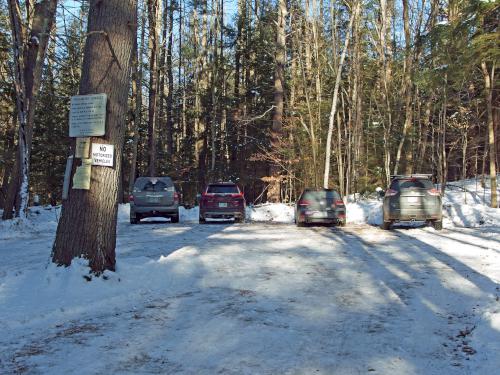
(466, 204)
(45, 295)
(189, 214)
(185, 214)
(124, 213)
(274, 212)
(364, 212)
(41, 219)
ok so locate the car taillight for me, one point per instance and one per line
(339, 202)
(239, 195)
(130, 198)
(176, 196)
(390, 193)
(433, 192)
(304, 202)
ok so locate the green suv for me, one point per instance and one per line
(412, 198)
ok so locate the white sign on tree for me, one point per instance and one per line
(103, 154)
(87, 115)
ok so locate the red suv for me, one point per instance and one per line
(223, 200)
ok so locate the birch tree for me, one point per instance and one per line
(30, 39)
(354, 14)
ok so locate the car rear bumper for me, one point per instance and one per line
(413, 215)
(322, 217)
(222, 214)
(313, 220)
(154, 210)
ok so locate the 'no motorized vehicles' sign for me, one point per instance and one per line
(103, 154)
(87, 115)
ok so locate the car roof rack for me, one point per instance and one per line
(222, 183)
(318, 188)
(414, 175)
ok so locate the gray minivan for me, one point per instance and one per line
(154, 197)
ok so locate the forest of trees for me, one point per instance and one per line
(276, 95)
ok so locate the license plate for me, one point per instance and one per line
(222, 205)
(412, 199)
(153, 198)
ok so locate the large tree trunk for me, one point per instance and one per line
(153, 18)
(443, 158)
(407, 83)
(9, 157)
(488, 88)
(29, 56)
(214, 75)
(201, 91)
(385, 53)
(356, 104)
(87, 227)
(137, 73)
(274, 194)
(170, 77)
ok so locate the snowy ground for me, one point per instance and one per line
(263, 297)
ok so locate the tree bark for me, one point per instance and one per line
(333, 110)
(407, 83)
(29, 56)
(274, 194)
(488, 89)
(137, 74)
(153, 15)
(87, 227)
(385, 52)
(170, 78)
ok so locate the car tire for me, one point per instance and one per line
(437, 224)
(341, 223)
(133, 220)
(202, 220)
(386, 225)
(174, 219)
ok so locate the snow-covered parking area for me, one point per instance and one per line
(255, 298)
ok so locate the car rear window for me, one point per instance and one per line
(411, 183)
(223, 189)
(159, 186)
(153, 184)
(322, 194)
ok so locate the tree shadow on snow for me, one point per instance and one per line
(279, 299)
(424, 281)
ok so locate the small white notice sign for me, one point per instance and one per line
(103, 154)
(87, 115)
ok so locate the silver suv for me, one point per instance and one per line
(412, 198)
(154, 197)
